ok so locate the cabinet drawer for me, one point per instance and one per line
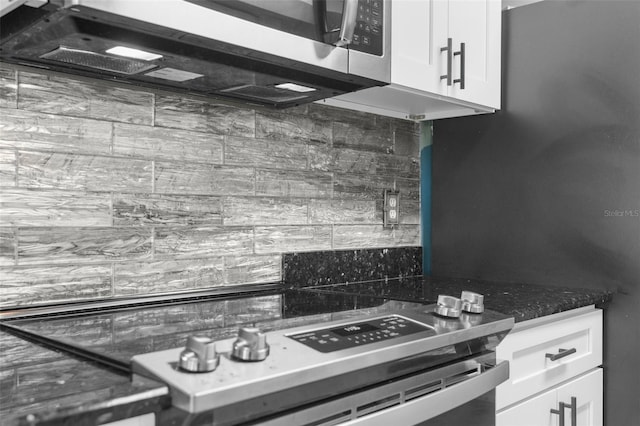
(536, 411)
(529, 352)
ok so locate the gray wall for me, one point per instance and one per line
(548, 189)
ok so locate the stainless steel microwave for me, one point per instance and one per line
(278, 53)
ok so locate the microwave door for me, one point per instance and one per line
(328, 21)
(192, 17)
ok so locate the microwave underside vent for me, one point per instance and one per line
(98, 61)
(264, 93)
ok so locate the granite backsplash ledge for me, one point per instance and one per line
(347, 266)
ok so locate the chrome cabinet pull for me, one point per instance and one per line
(449, 50)
(561, 354)
(460, 53)
(574, 411)
(560, 413)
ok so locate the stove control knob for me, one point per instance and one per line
(448, 306)
(472, 302)
(199, 355)
(251, 345)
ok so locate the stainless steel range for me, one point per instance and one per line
(402, 363)
(376, 363)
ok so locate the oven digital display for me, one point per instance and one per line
(350, 330)
(358, 333)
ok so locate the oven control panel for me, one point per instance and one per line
(358, 333)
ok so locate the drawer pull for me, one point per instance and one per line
(574, 411)
(561, 354)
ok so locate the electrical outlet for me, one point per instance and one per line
(391, 208)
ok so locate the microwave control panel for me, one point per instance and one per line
(368, 33)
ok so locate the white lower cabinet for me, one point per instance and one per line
(555, 377)
(544, 409)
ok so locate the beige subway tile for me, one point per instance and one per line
(161, 143)
(64, 95)
(409, 212)
(167, 276)
(17, 352)
(342, 211)
(372, 138)
(260, 308)
(195, 178)
(24, 207)
(83, 172)
(46, 132)
(318, 111)
(205, 116)
(7, 167)
(371, 236)
(281, 239)
(252, 269)
(280, 154)
(130, 326)
(281, 125)
(406, 138)
(264, 211)
(289, 183)
(320, 157)
(361, 187)
(44, 284)
(166, 210)
(8, 88)
(373, 163)
(7, 244)
(82, 245)
(192, 242)
(409, 188)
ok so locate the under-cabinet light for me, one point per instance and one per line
(133, 53)
(295, 87)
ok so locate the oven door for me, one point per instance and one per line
(462, 393)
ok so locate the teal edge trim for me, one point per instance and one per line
(426, 141)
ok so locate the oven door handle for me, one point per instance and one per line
(431, 405)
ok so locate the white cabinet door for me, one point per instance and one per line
(537, 411)
(477, 24)
(587, 392)
(534, 412)
(419, 29)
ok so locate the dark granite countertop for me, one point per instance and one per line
(520, 300)
(44, 384)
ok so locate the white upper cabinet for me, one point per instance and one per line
(445, 61)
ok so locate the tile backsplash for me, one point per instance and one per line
(111, 191)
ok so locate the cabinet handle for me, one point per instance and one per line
(449, 50)
(574, 410)
(560, 413)
(461, 52)
(561, 354)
